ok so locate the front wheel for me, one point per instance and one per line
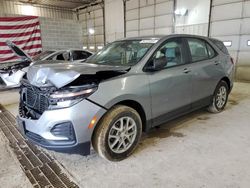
(118, 133)
(220, 98)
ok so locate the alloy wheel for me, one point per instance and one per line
(122, 134)
(221, 97)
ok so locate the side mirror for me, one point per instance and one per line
(158, 64)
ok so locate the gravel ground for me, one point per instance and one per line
(197, 150)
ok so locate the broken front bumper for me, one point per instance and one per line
(63, 129)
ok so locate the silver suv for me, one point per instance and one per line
(130, 86)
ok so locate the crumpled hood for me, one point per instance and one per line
(61, 74)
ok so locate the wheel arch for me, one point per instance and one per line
(138, 107)
(130, 103)
(227, 80)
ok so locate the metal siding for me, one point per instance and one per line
(99, 39)
(244, 58)
(132, 4)
(161, 1)
(85, 40)
(163, 21)
(132, 14)
(149, 17)
(195, 29)
(246, 12)
(243, 66)
(164, 8)
(235, 27)
(132, 25)
(224, 12)
(233, 38)
(99, 30)
(164, 31)
(227, 27)
(244, 46)
(147, 23)
(245, 26)
(15, 8)
(92, 17)
(146, 32)
(98, 13)
(221, 2)
(146, 2)
(132, 33)
(147, 11)
(99, 21)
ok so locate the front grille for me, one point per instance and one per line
(36, 100)
(33, 100)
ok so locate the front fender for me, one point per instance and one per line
(122, 89)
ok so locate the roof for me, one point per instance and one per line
(162, 36)
(145, 37)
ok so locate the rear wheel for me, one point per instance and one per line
(118, 133)
(220, 98)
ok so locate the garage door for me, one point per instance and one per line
(92, 23)
(230, 22)
(149, 17)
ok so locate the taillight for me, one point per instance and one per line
(232, 60)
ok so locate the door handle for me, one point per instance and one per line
(186, 70)
(216, 62)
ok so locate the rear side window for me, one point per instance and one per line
(200, 50)
(220, 45)
(211, 52)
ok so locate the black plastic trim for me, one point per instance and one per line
(63, 147)
(181, 111)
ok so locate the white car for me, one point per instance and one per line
(72, 55)
(12, 72)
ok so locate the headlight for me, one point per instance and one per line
(64, 104)
(71, 95)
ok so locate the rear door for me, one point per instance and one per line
(206, 69)
(170, 87)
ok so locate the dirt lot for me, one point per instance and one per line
(198, 150)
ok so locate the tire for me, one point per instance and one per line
(219, 95)
(110, 134)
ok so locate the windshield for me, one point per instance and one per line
(125, 53)
(42, 55)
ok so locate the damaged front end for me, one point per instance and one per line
(53, 111)
(51, 87)
(35, 100)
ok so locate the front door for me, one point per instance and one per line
(170, 87)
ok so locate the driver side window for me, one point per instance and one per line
(173, 52)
